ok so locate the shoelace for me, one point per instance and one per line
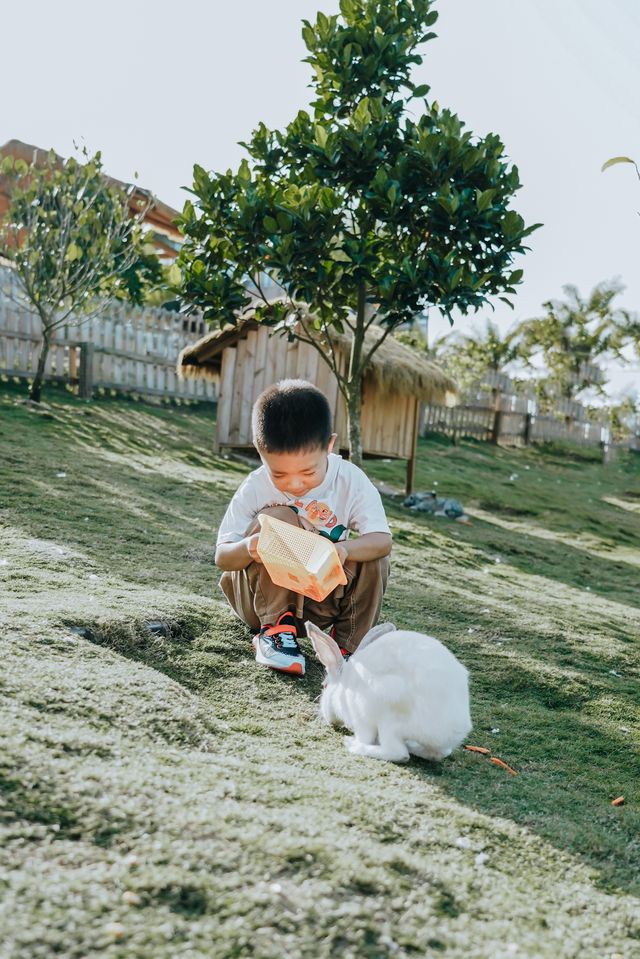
(288, 641)
(284, 639)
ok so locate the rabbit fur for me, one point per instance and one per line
(400, 693)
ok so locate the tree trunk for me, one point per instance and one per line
(35, 391)
(354, 382)
(353, 420)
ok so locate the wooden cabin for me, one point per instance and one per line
(249, 357)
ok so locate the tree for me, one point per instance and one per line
(471, 356)
(573, 335)
(359, 212)
(624, 417)
(72, 242)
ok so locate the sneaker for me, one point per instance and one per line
(343, 652)
(277, 646)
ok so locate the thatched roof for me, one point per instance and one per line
(394, 367)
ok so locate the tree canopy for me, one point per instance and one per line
(73, 242)
(358, 210)
(574, 335)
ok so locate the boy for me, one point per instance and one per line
(303, 482)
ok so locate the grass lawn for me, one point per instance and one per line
(161, 796)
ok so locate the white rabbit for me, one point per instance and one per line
(401, 692)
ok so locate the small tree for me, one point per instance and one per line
(72, 242)
(572, 336)
(471, 356)
(359, 212)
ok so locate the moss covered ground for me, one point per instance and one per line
(161, 796)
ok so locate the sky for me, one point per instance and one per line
(159, 86)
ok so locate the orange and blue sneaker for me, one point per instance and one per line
(277, 646)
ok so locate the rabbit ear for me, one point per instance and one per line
(326, 649)
(375, 633)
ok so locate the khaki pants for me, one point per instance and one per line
(352, 609)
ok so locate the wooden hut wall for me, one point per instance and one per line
(258, 360)
(388, 421)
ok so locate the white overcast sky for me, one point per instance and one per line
(158, 86)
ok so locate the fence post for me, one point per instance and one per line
(497, 426)
(529, 420)
(85, 387)
(418, 414)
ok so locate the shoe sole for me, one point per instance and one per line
(296, 669)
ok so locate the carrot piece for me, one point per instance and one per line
(503, 765)
(618, 802)
(478, 749)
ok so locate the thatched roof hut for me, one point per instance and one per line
(246, 359)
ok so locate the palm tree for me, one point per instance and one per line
(574, 335)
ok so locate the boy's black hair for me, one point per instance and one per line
(291, 416)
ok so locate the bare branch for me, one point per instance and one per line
(377, 345)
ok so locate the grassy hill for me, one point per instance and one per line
(161, 796)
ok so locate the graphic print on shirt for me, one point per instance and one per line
(322, 517)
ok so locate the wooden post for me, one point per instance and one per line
(85, 391)
(528, 424)
(411, 462)
(497, 426)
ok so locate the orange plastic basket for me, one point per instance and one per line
(303, 561)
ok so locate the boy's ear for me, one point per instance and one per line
(333, 438)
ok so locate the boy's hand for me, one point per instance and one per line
(305, 524)
(252, 543)
(343, 555)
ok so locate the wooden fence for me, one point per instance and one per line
(495, 412)
(500, 425)
(124, 349)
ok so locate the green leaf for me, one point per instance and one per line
(348, 9)
(74, 252)
(512, 223)
(270, 225)
(484, 198)
(324, 25)
(481, 281)
(285, 222)
(309, 37)
(361, 115)
(614, 160)
(421, 91)
(320, 136)
(174, 275)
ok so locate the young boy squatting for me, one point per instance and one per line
(302, 481)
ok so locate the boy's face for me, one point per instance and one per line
(297, 473)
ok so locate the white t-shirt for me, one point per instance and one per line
(345, 500)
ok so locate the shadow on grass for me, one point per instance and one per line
(572, 565)
(568, 766)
